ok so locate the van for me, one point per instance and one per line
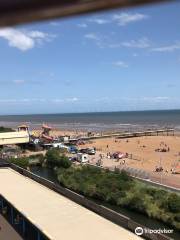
(82, 158)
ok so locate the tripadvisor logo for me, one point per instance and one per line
(139, 231)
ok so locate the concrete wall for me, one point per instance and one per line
(107, 213)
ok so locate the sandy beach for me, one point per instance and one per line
(143, 149)
(142, 153)
(144, 156)
(56, 133)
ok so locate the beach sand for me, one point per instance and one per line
(144, 156)
(56, 133)
(143, 149)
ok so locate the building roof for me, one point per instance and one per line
(14, 137)
(55, 215)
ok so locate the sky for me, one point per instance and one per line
(118, 60)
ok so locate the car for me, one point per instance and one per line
(73, 149)
(91, 151)
(83, 150)
(73, 159)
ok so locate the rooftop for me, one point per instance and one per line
(55, 215)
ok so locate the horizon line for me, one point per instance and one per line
(90, 112)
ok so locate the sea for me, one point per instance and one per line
(99, 121)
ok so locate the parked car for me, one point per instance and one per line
(83, 150)
(91, 151)
(73, 159)
(73, 149)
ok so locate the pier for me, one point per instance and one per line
(158, 132)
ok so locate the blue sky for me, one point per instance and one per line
(111, 61)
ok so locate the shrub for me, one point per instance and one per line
(173, 203)
(6, 129)
(119, 189)
(21, 162)
(56, 159)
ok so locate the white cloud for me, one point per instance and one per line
(121, 19)
(92, 36)
(99, 21)
(155, 99)
(141, 43)
(8, 100)
(24, 40)
(17, 39)
(20, 82)
(66, 100)
(74, 99)
(54, 23)
(120, 64)
(57, 100)
(21, 101)
(169, 48)
(100, 40)
(125, 18)
(37, 34)
(82, 25)
(105, 41)
(38, 100)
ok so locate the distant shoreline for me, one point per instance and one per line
(98, 112)
(105, 121)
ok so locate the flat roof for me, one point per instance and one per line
(55, 215)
